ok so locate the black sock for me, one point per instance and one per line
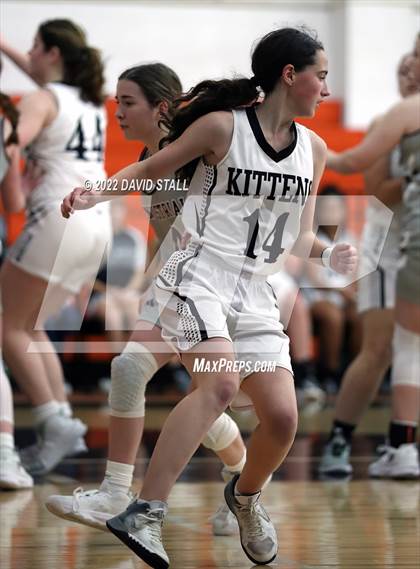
(332, 375)
(302, 370)
(345, 429)
(401, 433)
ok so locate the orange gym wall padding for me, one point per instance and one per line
(120, 152)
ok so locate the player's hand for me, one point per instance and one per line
(343, 258)
(79, 198)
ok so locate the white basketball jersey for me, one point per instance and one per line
(164, 212)
(247, 209)
(4, 160)
(71, 149)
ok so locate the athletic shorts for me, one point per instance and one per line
(201, 297)
(408, 278)
(315, 295)
(149, 307)
(378, 266)
(284, 287)
(67, 252)
(377, 290)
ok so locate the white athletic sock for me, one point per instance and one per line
(43, 412)
(7, 440)
(246, 498)
(66, 409)
(119, 475)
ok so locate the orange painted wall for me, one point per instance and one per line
(120, 152)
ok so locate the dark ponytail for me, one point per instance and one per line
(272, 53)
(204, 98)
(83, 66)
(12, 115)
(297, 47)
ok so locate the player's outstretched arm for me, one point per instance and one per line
(21, 60)
(386, 133)
(199, 139)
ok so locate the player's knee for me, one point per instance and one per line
(380, 350)
(221, 434)
(331, 315)
(336, 318)
(406, 349)
(281, 424)
(224, 391)
(130, 373)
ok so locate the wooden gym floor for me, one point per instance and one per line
(338, 524)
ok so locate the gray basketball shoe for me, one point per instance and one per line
(257, 532)
(140, 528)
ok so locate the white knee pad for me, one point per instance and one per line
(221, 434)
(406, 358)
(130, 373)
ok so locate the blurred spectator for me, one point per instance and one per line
(115, 300)
(332, 303)
(296, 319)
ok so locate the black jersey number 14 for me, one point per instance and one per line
(273, 242)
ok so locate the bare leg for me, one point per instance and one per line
(405, 403)
(308, 389)
(300, 331)
(52, 366)
(22, 295)
(273, 396)
(12, 474)
(57, 296)
(124, 438)
(128, 430)
(400, 459)
(188, 422)
(363, 377)
(354, 322)
(408, 315)
(234, 453)
(6, 426)
(331, 321)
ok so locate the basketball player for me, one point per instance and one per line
(400, 125)
(331, 301)
(63, 124)
(376, 300)
(143, 93)
(251, 171)
(12, 474)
